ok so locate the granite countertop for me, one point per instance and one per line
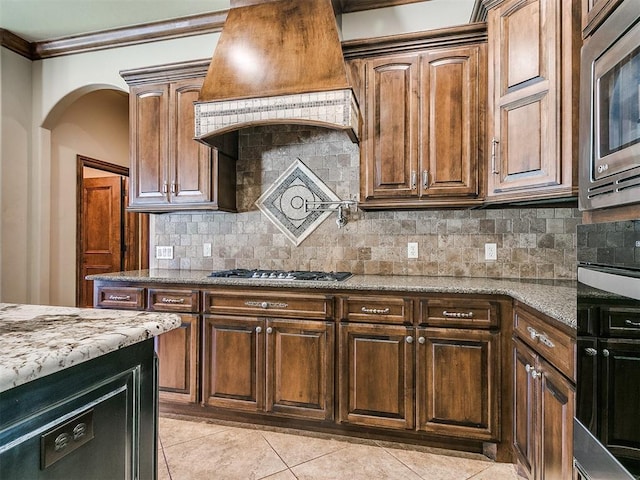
(555, 298)
(37, 340)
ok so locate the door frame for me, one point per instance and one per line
(142, 226)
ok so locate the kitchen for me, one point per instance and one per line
(532, 241)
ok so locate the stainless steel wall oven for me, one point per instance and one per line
(610, 111)
(607, 424)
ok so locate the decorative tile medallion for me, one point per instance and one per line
(284, 202)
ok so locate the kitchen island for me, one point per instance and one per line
(78, 386)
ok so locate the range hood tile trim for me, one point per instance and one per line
(333, 109)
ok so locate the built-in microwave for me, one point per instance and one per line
(610, 111)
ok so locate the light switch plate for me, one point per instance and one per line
(412, 250)
(490, 251)
(206, 249)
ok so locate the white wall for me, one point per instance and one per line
(15, 150)
(95, 126)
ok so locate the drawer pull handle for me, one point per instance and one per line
(266, 305)
(119, 298)
(542, 338)
(376, 311)
(532, 333)
(172, 300)
(457, 314)
(592, 352)
(633, 324)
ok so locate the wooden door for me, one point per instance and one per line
(100, 245)
(524, 56)
(178, 361)
(556, 407)
(149, 145)
(376, 375)
(390, 154)
(233, 363)
(190, 161)
(452, 85)
(300, 356)
(619, 390)
(457, 382)
(525, 409)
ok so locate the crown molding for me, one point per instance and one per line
(117, 37)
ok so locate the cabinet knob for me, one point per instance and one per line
(258, 329)
(421, 340)
(535, 374)
(605, 352)
(269, 330)
(409, 339)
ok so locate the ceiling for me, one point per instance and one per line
(40, 20)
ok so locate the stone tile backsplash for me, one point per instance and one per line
(532, 242)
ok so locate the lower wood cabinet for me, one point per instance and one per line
(435, 380)
(278, 366)
(543, 404)
(376, 375)
(177, 352)
(458, 382)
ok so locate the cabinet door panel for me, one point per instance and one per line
(300, 368)
(619, 384)
(191, 166)
(457, 382)
(376, 376)
(233, 370)
(524, 409)
(450, 85)
(149, 112)
(178, 361)
(392, 108)
(557, 404)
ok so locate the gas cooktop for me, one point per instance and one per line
(282, 275)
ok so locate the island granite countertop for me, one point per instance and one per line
(555, 298)
(38, 340)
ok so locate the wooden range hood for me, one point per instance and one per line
(277, 62)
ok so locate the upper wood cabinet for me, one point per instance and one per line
(424, 121)
(169, 169)
(534, 54)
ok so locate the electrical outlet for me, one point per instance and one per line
(164, 253)
(638, 243)
(206, 249)
(412, 250)
(490, 251)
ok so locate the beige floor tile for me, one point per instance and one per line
(173, 432)
(297, 449)
(356, 462)
(439, 467)
(285, 475)
(233, 454)
(163, 471)
(499, 471)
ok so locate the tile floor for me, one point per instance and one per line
(198, 449)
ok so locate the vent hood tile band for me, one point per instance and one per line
(277, 62)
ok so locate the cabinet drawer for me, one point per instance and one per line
(557, 347)
(163, 300)
(621, 322)
(377, 309)
(269, 304)
(127, 298)
(459, 312)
